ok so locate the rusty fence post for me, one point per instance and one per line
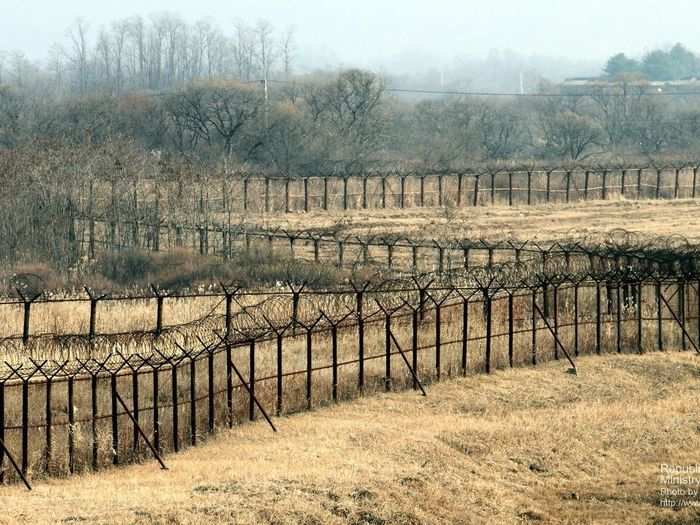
(359, 314)
(27, 302)
(676, 184)
(251, 380)
(193, 399)
(510, 328)
(510, 188)
(488, 317)
(493, 187)
(605, 184)
(2, 431)
(364, 193)
(465, 334)
(534, 326)
(659, 318)
(475, 201)
(460, 183)
(638, 308)
(576, 318)
(414, 344)
(598, 321)
(639, 184)
(286, 195)
(305, 183)
(159, 310)
(325, 193)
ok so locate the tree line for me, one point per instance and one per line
(154, 53)
(193, 92)
(676, 63)
(348, 117)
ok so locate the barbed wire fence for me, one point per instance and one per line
(296, 349)
(131, 204)
(244, 191)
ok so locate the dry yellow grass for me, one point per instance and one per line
(536, 223)
(521, 446)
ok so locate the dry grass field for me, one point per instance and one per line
(520, 446)
(536, 223)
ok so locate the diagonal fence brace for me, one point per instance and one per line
(556, 338)
(250, 393)
(247, 387)
(680, 323)
(408, 365)
(140, 430)
(14, 465)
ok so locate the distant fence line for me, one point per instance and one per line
(122, 197)
(117, 196)
(342, 250)
(59, 418)
(390, 251)
(558, 258)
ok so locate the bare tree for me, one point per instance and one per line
(501, 131)
(243, 50)
(348, 111)
(570, 135)
(266, 46)
(104, 53)
(203, 112)
(120, 31)
(288, 49)
(12, 105)
(79, 52)
(20, 69)
(137, 49)
(652, 127)
(217, 50)
(230, 106)
(187, 112)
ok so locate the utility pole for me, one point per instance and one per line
(267, 98)
(265, 86)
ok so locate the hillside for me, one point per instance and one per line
(521, 446)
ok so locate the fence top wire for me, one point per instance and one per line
(420, 169)
(275, 314)
(670, 254)
(617, 242)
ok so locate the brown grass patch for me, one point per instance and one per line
(521, 446)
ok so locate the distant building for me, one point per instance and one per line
(576, 83)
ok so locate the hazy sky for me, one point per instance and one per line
(373, 32)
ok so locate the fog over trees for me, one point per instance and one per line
(166, 98)
(204, 91)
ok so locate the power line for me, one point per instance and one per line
(510, 94)
(481, 93)
(540, 95)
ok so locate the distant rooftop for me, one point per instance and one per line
(603, 81)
